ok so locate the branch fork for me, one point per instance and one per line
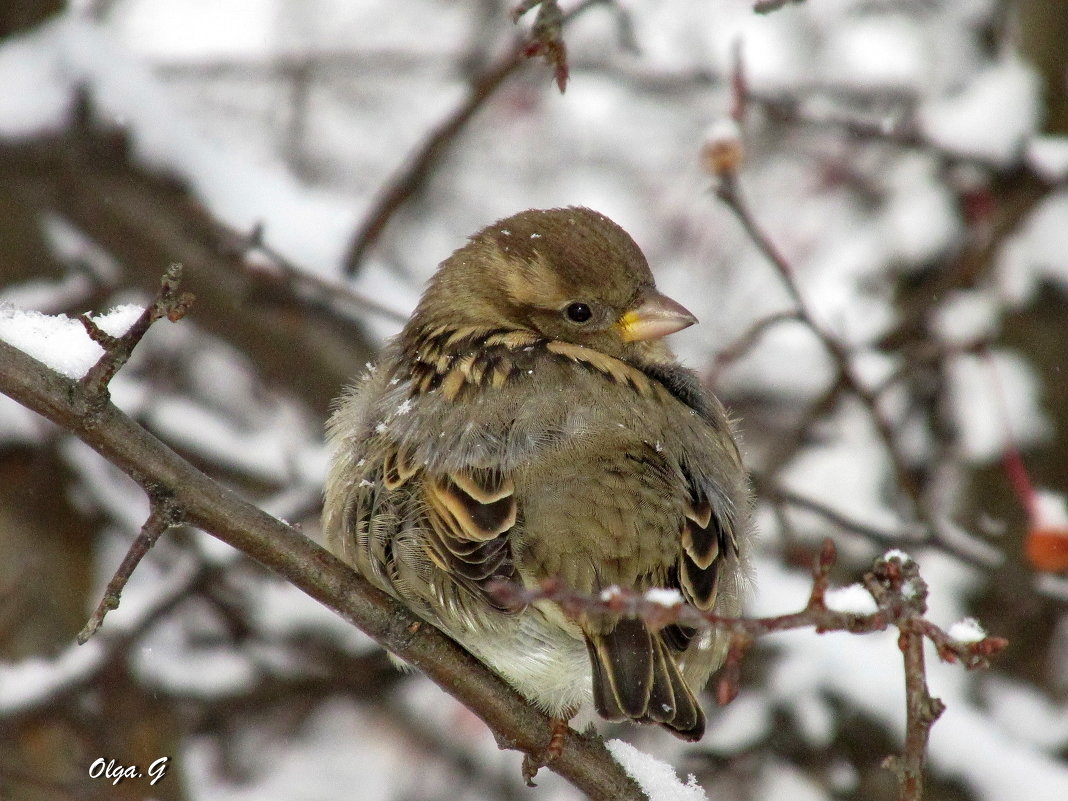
(169, 302)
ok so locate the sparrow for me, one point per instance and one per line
(529, 423)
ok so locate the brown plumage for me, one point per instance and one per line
(530, 423)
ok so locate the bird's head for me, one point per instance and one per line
(569, 274)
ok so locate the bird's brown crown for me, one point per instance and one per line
(569, 274)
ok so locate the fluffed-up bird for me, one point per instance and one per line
(529, 422)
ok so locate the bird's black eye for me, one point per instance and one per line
(578, 312)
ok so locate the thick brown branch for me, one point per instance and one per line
(516, 725)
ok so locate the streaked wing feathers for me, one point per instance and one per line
(707, 537)
(466, 516)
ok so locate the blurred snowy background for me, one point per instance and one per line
(909, 158)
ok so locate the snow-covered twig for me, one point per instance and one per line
(169, 303)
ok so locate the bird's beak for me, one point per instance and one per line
(657, 316)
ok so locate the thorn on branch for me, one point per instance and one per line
(169, 303)
(730, 675)
(546, 37)
(163, 515)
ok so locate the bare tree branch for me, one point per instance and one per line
(162, 517)
(516, 725)
(900, 595)
(729, 191)
(412, 176)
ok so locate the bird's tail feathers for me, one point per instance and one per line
(635, 677)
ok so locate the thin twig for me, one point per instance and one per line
(743, 344)
(729, 191)
(305, 287)
(413, 175)
(162, 516)
(896, 601)
(900, 596)
(169, 303)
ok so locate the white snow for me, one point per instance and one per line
(788, 359)
(991, 118)
(1037, 250)
(17, 423)
(968, 316)
(102, 487)
(780, 780)
(47, 297)
(995, 402)
(61, 342)
(34, 681)
(664, 597)
(34, 94)
(1051, 509)
(854, 599)
(276, 449)
(282, 610)
(39, 74)
(167, 658)
(1048, 156)
(967, 630)
(236, 28)
(876, 51)
(657, 779)
(920, 217)
(740, 724)
(1027, 714)
(845, 471)
(321, 762)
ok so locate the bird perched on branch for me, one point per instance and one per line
(530, 423)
